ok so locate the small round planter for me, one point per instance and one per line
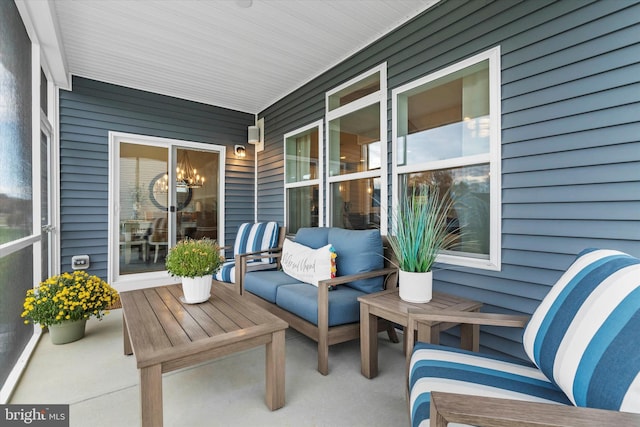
(196, 289)
(67, 332)
(415, 287)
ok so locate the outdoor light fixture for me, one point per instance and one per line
(240, 151)
(254, 135)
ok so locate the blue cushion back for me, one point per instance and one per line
(313, 237)
(256, 237)
(585, 335)
(358, 251)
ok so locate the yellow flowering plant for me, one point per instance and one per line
(67, 297)
(194, 258)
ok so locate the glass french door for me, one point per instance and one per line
(165, 193)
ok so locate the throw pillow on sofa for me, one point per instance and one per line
(306, 264)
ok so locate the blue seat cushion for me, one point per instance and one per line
(439, 368)
(313, 237)
(358, 251)
(302, 300)
(227, 271)
(265, 284)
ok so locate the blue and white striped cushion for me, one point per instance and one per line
(256, 237)
(251, 238)
(227, 272)
(585, 335)
(439, 368)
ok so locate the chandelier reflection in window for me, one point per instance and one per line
(161, 185)
(186, 175)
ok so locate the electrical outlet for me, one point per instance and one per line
(80, 262)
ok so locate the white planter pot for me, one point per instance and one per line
(415, 287)
(196, 289)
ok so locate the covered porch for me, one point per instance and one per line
(541, 98)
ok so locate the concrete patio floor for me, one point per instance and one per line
(100, 384)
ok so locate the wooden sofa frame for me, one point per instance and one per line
(324, 335)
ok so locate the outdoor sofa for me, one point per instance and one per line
(328, 313)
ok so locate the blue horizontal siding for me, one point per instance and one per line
(90, 111)
(570, 142)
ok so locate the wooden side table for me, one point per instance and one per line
(388, 305)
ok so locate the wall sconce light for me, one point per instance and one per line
(254, 135)
(240, 151)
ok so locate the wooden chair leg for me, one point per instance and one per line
(323, 357)
(393, 336)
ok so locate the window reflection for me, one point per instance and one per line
(353, 92)
(303, 206)
(146, 228)
(302, 157)
(445, 118)
(355, 142)
(356, 204)
(469, 188)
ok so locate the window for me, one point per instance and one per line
(357, 155)
(446, 132)
(303, 187)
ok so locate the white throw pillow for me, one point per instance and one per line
(306, 264)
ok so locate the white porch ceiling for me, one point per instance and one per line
(216, 51)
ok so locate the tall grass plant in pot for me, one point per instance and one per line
(195, 262)
(420, 230)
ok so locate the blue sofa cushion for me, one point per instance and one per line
(313, 237)
(265, 284)
(439, 368)
(358, 251)
(584, 334)
(302, 300)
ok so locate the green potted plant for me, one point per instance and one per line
(420, 231)
(195, 262)
(65, 302)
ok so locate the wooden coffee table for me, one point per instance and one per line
(388, 305)
(166, 334)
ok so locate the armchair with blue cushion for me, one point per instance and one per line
(252, 238)
(584, 344)
(326, 310)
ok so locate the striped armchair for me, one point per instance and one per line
(583, 340)
(258, 238)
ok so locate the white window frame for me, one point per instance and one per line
(308, 183)
(493, 157)
(378, 97)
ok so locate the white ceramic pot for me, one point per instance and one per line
(415, 287)
(196, 289)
